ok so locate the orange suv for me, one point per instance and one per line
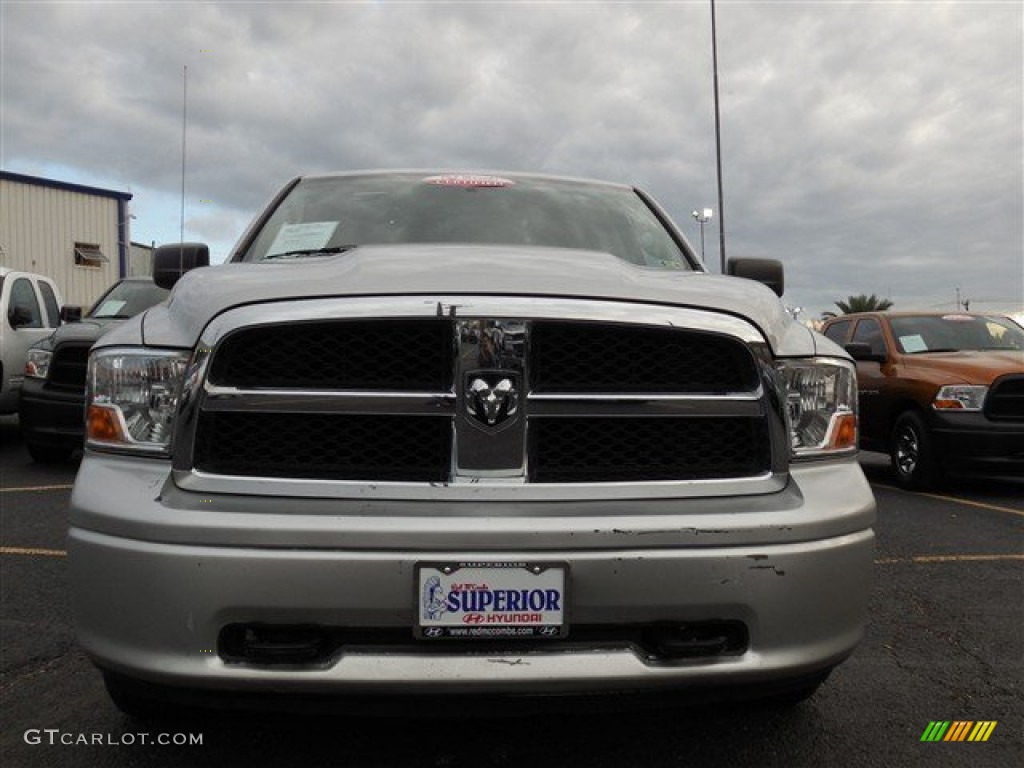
(941, 393)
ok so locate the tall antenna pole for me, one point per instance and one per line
(184, 122)
(718, 139)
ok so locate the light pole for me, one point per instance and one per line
(718, 139)
(703, 217)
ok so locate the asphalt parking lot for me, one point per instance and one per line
(945, 643)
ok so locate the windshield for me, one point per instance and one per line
(331, 214)
(128, 298)
(949, 333)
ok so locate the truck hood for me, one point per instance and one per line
(87, 329)
(451, 270)
(966, 366)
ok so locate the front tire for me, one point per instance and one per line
(140, 700)
(913, 457)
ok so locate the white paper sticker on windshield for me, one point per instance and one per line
(110, 308)
(310, 236)
(912, 344)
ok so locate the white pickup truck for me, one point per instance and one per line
(31, 310)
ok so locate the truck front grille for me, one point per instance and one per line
(441, 399)
(325, 446)
(390, 355)
(581, 357)
(1006, 399)
(647, 449)
(68, 367)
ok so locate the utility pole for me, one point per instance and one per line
(184, 123)
(718, 139)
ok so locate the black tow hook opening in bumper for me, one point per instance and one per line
(310, 645)
(696, 640)
(276, 644)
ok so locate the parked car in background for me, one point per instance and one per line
(51, 412)
(30, 310)
(941, 393)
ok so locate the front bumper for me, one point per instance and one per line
(971, 443)
(50, 416)
(154, 583)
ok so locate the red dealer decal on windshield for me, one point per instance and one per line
(467, 180)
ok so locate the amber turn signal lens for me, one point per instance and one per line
(845, 435)
(102, 424)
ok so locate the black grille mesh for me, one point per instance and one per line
(68, 366)
(595, 358)
(324, 446)
(568, 450)
(397, 355)
(1006, 399)
(418, 355)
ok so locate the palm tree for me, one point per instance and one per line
(863, 303)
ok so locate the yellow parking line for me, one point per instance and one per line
(956, 500)
(34, 488)
(35, 551)
(947, 559)
(979, 504)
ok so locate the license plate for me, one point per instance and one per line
(491, 600)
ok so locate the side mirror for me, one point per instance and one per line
(766, 271)
(862, 353)
(19, 316)
(70, 313)
(170, 262)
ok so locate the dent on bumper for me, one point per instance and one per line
(154, 609)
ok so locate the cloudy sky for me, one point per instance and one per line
(873, 147)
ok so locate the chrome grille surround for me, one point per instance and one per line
(504, 471)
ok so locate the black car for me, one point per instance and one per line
(51, 409)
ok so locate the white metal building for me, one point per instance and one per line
(74, 234)
(140, 259)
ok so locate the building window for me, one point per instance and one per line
(88, 255)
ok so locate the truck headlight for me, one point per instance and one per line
(131, 398)
(37, 362)
(821, 400)
(960, 397)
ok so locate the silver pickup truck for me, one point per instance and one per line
(456, 434)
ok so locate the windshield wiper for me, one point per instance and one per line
(310, 252)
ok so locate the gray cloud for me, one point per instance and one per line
(873, 147)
